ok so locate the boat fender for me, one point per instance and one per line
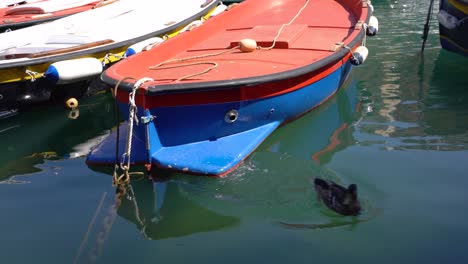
(68, 71)
(192, 25)
(359, 55)
(142, 46)
(447, 20)
(247, 45)
(370, 6)
(218, 10)
(372, 26)
(71, 103)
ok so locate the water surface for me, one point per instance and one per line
(398, 129)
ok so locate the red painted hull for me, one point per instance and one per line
(29, 14)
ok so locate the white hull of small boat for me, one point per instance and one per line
(71, 49)
(119, 22)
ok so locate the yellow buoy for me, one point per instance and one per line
(247, 45)
(71, 103)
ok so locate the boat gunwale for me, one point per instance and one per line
(204, 86)
(115, 45)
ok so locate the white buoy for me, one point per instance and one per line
(218, 10)
(370, 6)
(359, 55)
(192, 25)
(372, 26)
(247, 45)
(71, 103)
(447, 20)
(69, 71)
(142, 45)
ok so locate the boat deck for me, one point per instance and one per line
(210, 53)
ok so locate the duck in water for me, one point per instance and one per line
(338, 198)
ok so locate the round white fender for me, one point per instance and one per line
(69, 71)
(359, 55)
(142, 45)
(447, 20)
(372, 26)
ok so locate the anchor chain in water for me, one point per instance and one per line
(124, 177)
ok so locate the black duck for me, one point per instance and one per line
(338, 198)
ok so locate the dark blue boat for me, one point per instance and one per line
(453, 25)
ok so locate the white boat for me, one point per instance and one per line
(15, 15)
(6, 3)
(80, 46)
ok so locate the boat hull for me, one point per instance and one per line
(454, 35)
(200, 138)
(28, 14)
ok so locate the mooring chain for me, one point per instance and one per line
(125, 160)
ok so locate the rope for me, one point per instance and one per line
(91, 224)
(107, 60)
(363, 43)
(284, 25)
(426, 26)
(33, 75)
(124, 178)
(214, 64)
(191, 64)
(157, 66)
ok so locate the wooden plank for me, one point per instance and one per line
(70, 49)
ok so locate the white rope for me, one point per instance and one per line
(131, 119)
(282, 26)
(107, 60)
(33, 75)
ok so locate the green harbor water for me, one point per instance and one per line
(398, 128)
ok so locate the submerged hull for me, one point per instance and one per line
(453, 25)
(210, 123)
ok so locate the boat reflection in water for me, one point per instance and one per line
(322, 132)
(59, 137)
(160, 211)
(429, 114)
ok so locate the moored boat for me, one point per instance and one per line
(17, 14)
(8, 3)
(453, 25)
(37, 62)
(207, 99)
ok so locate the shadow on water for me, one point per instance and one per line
(47, 133)
(160, 211)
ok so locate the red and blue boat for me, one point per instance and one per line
(207, 98)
